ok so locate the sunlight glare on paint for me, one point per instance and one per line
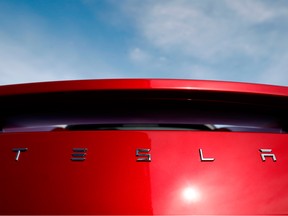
(191, 194)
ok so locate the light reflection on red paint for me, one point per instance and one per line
(191, 194)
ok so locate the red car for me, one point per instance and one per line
(144, 146)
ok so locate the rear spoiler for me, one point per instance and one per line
(130, 102)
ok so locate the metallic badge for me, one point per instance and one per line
(143, 157)
(19, 150)
(205, 159)
(263, 156)
(79, 154)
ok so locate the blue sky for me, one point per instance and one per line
(231, 40)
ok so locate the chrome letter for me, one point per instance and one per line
(79, 155)
(19, 150)
(204, 159)
(267, 155)
(143, 157)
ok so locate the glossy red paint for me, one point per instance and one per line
(146, 84)
(45, 181)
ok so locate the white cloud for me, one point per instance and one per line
(138, 55)
(277, 73)
(182, 27)
(205, 30)
(201, 72)
(256, 10)
(211, 33)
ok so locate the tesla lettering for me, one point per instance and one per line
(19, 150)
(144, 155)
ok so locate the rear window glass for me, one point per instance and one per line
(144, 110)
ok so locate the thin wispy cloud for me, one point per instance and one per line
(138, 55)
(227, 38)
(208, 28)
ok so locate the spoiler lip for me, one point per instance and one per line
(143, 84)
